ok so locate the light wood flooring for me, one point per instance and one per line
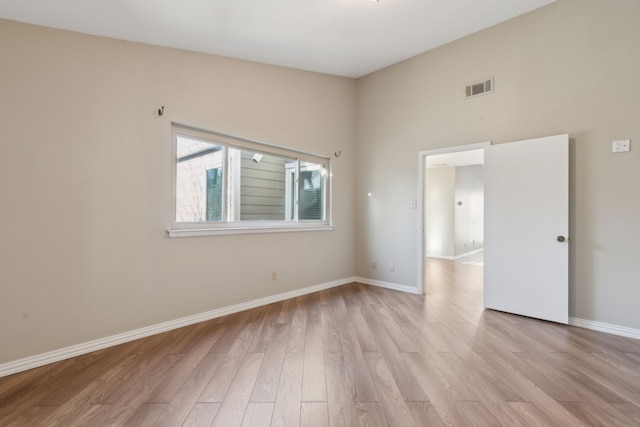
(350, 356)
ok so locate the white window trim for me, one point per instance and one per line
(192, 229)
(194, 232)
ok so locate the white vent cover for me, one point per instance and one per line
(479, 88)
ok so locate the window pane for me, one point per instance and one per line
(258, 186)
(198, 180)
(312, 183)
(214, 194)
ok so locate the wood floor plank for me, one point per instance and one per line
(314, 387)
(202, 415)
(185, 337)
(13, 387)
(634, 357)
(371, 414)
(489, 385)
(193, 356)
(234, 326)
(314, 414)
(80, 372)
(141, 389)
(184, 400)
(366, 340)
(34, 387)
(462, 371)
(85, 403)
(342, 408)
(287, 406)
(394, 406)
(266, 386)
(597, 386)
(475, 414)
(266, 329)
(439, 391)
(630, 411)
(354, 302)
(91, 415)
(406, 381)
(142, 376)
(366, 293)
(360, 381)
(287, 310)
(147, 415)
(298, 326)
(432, 333)
(330, 326)
(521, 379)
(102, 390)
(217, 388)
(526, 414)
(258, 414)
(236, 401)
(120, 406)
(627, 364)
(464, 380)
(543, 375)
(591, 416)
(33, 415)
(601, 342)
(563, 375)
(425, 414)
(396, 333)
(621, 383)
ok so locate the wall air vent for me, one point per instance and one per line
(479, 88)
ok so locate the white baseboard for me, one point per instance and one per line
(387, 285)
(605, 327)
(87, 347)
(454, 258)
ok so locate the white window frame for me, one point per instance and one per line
(204, 228)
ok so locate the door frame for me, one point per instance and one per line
(422, 155)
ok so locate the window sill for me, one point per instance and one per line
(195, 232)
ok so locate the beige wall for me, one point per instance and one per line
(439, 212)
(469, 216)
(571, 67)
(85, 184)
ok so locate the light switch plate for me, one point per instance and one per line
(621, 146)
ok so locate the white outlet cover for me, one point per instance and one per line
(621, 146)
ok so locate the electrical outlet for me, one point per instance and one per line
(392, 266)
(621, 146)
(374, 264)
(274, 275)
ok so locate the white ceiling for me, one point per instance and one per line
(342, 37)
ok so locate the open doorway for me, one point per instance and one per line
(451, 207)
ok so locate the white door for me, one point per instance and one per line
(526, 249)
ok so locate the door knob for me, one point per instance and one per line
(560, 239)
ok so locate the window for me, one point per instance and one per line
(230, 185)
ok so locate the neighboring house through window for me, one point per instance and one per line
(225, 184)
